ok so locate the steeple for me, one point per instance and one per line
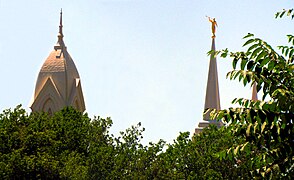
(212, 98)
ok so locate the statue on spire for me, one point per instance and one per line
(213, 25)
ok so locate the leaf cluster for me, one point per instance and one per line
(267, 124)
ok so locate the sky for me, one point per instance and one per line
(139, 60)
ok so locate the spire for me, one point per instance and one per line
(60, 43)
(212, 99)
(60, 34)
(254, 92)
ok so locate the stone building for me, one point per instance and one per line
(58, 84)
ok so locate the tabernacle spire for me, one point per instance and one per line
(60, 43)
(60, 25)
(58, 84)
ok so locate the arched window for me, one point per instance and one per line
(48, 106)
(50, 111)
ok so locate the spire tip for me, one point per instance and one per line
(60, 24)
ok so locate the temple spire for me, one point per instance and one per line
(212, 98)
(60, 34)
(60, 43)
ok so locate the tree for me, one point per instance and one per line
(266, 125)
(39, 146)
(197, 158)
(71, 145)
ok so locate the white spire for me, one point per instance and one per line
(212, 99)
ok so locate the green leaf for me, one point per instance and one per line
(248, 42)
(235, 63)
(271, 65)
(282, 14)
(250, 65)
(277, 14)
(248, 130)
(236, 150)
(234, 100)
(254, 128)
(265, 61)
(255, 52)
(243, 63)
(244, 146)
(252, 47)
(263, 126)
(289, 12)
(248, 35)
(261, 55)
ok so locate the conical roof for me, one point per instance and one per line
(61, 68)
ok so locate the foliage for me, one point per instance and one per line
(69, 145)
(38, 146)
(197, 158)
(267, 124)
(287, 12)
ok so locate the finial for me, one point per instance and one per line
(60, 43)
(60, 25)
(213, 25)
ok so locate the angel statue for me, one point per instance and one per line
(213, 25)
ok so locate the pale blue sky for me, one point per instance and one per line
(139, 60)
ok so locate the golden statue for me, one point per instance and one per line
(213, 25)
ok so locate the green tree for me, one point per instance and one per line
(69, 145)
(197, 158)
(39, 146)
(266, 124)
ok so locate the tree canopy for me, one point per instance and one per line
(266, 124)
(71, 145)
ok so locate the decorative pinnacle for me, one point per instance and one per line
(60, 25)
(60, 43)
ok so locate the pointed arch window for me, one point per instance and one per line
(48, 106)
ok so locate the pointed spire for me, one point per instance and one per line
(60, 25)
(60, 43)
(254, 92)
(212, 99)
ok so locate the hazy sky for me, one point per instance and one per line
(139, 60)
